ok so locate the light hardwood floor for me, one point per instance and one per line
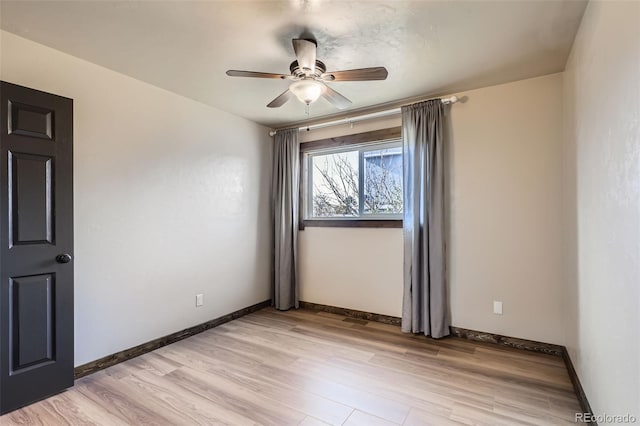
(309, 368)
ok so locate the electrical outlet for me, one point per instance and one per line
(199, 300)
(497, 307)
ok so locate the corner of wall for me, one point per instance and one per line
(601, 206)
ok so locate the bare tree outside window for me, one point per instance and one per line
(336, 183)
(383, 181)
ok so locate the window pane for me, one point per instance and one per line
(383, 181)
(335, 184)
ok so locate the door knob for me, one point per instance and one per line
(63, 258)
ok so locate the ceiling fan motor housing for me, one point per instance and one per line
(298, 72)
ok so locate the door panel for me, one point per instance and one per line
(31, 305)
(36, 226)
(30, 120)
(30, 199)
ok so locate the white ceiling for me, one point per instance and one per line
(429, 47)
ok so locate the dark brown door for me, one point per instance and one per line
(36, 245)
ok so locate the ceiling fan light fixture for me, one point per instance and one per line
(307, 91)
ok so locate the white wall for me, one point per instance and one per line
(505, 221)
(602, 202)
(171, 199)
(506, 210)
(356, 268)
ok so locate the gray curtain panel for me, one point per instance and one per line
(424, 305)
(286, 178)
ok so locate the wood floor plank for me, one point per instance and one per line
(399, 387)
(121, 401)
(192, 407)
(418, 417)
(314, 368)
(310, 421)
(295, 398)
(358, 418)
(344, 394)
(232, 396)
(79, 410)
(40, 416)
(473, 415)
(154, 363)
(294, 344)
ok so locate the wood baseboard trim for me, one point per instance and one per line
(118, 357)
(464, 333)
(513, 342)
(479, 336)
(352, 313)
(577, 386)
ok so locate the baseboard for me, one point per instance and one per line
(464, 333)
(116, 358)
(512, 342)
(352, 313)
(577, 386)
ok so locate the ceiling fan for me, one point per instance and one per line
(308, 76)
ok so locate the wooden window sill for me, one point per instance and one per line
(351, 223)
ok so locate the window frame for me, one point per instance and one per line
(374, 138)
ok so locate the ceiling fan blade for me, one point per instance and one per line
(335, 98)
(362, 74)
(281, 100)
(305, 53)
(236, 73)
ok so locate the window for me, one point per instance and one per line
(353, 180)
